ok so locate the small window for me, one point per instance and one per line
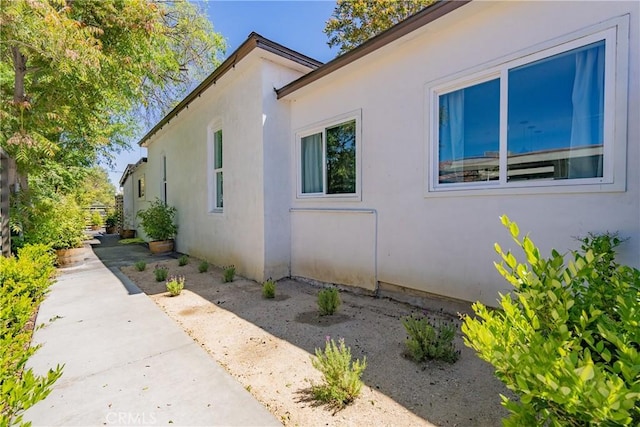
(328, 160)
(217, 169)
(540, 120)
(164, 179)
(141, 187)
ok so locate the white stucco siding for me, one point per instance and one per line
(132, 202)
(235, 235)
(443, 243)
(276, 128)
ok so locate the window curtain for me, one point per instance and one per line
(588, 111)
(312, 163)
(452, 126)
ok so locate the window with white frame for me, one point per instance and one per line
(544, 119)
(164, 179)
(328, 159)
(141, 187)
(217, 184)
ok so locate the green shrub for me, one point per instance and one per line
(228, 274)
(161, 274)
(158, 220)
(429, 339)
(56, 222)
(96, 219)
(175, 285)
(328, 301)
(24, 283)
(341, 375)
(269, 289)
(140, 265)
(568, 340)
(203, 267)
(183, 260)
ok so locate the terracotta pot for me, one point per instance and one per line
(161, 246)
(127, 234)
(110, 230)
(70, 257)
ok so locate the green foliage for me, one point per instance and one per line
(56, 221)
(96, 219)
(228, 274)
(269, 289)
(132, 241)
(158, 220)
(80, 95)
(328, 301)
(161, 274)
(353, 22)
(567, 340)
(24, 283)
(341, 375)
(113, 218)
(203, 267)
(141, 266)
(429, 339)
(175, 285)
(183, 260)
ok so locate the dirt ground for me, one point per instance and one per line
(267, 345)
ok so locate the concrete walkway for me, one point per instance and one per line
(126, 362)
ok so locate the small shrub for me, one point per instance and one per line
(203, 267)
(328, 301)
(161, 274)
(341, 375)
(430, 339)
(183, 260)
(175, 285)
(140, 265)
(269, 289)
(228, 274)
(566, 339)
(24, 282)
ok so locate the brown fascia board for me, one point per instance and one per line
(412, 23)
(131, 168)
(253, 41)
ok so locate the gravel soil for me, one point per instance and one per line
(267, 344)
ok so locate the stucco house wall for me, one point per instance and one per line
(133, 199)
(397, 231)
(243, 105)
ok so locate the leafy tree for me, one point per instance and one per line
(353, 22)
(73, 72)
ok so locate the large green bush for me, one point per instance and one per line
(158, 220)
(58, 222)
(24, 282)
(567, 339)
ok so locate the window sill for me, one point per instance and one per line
(528, 190)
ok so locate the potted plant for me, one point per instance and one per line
(125, 231)
(111, 223)
(59, 223)
(96, 220)
(158, 222)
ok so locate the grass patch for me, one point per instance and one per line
(131, 241)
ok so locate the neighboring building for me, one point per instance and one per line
(388, 167)
(134, 197)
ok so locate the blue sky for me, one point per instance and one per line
(297, 25)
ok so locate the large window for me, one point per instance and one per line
(543, 119)
(328, 160)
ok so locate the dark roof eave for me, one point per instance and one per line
(254, 40)
(420, 19)
(131, 168)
